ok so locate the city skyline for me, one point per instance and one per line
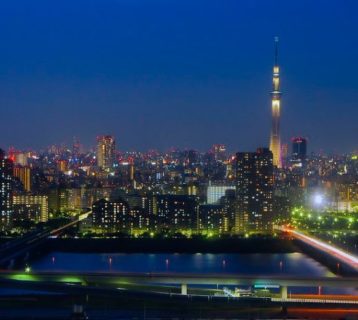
(190, 86)
(178, 159)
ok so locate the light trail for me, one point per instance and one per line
(345, 257)
(81, 217)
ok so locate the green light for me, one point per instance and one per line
(71, 279)
(22, 277)
(27, 269)
(266, 286)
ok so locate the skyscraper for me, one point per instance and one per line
(219, 152)
(6, 168)
(299, 148)
(24, 175)
(105, 152)
(275, 143)
(254, 191)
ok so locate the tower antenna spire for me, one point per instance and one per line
(276, 51)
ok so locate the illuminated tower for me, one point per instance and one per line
(275, 143)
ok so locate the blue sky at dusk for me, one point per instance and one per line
(184, 73)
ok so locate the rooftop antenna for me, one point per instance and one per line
(276, 51)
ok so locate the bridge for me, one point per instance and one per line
(13, 249)
(183, 280)
(340, 255)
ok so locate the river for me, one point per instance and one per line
(282, 263)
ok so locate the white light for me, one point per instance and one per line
(318, 199)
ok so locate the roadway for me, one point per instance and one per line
(156, 305)
(11, 250)
(182, 279)
(78, 219)
(117, 295)
(340, 255)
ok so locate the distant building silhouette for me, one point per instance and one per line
(299, 148)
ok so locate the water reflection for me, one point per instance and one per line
(288, 263)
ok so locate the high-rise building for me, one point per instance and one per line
(21, 158)
(6, 176)
(215, 192)
(177, 212)
(30, 207)
(141, 220)
(228, 201)
(275, 142)
(24, 175)
(254, 191)
(284, 151)
(62, 165)
(58, 200)
(105, 152)
(76, 147)
(111, 216)
(212, 219)
(299, 148)
(219, 152)
(131, 169)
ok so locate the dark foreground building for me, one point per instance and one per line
(6, 169)
(177, 212)
(111, 216)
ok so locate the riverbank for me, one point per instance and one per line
(154, 245)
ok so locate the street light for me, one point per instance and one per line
(318, 199)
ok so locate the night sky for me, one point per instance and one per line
(183, 73)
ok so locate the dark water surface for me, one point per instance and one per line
(282, 263)
(290, 264)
